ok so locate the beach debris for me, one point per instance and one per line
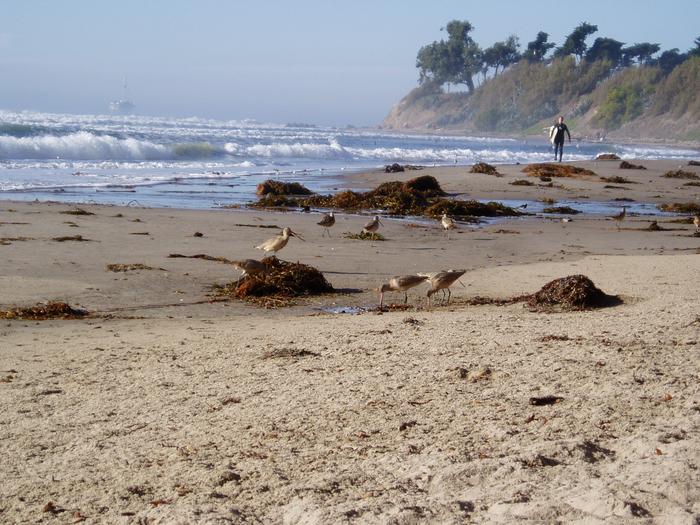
(479, 374)
(607, 156)
(554, 337)
(545, 178)
(407, 424)
(680, 207)
(692, 184)
(572, 293)
(547, 200)
(680, 174)
(412, 321)
(393, 168)
(616, 179)
(693, 163)
(280, 282)
(118, 267)
(564, 210)
(548, 169)
(463, 210)
(275, 187)
(483, 167)
(654, 227)
(522, 182)
(5, 241)
(545, 400)
(273, 226)
(139, 233)
(288, 352)
(197, 234)
(624, 165)
(364, 236)
(43, 311)
(65, 238)
(76, 211)
(52, 508)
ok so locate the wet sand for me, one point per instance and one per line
(171, 409)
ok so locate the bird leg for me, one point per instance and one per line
(449, 294)
(405, 297)
(381, 300)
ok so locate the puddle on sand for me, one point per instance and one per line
(344, 309)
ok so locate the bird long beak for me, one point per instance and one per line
(380, 222)
(297, 236)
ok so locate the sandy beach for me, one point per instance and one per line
(166, 407)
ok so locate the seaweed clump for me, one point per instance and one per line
(275, 187)
(279, 284)
(616, 179)
(680, 207)
(118, 267)
(465, 209)
(548, 169)
(564, 210)
(607, 156)
(572, 293)
(41, 312)
(483, 167)
(76, 211)
(624, 165)
(521, 182)
(365, 236)
(680, 174)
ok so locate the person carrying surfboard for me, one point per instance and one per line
(556, 135)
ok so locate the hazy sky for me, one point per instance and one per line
(320, 61)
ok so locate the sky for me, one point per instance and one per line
(317, 61)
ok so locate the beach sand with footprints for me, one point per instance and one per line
(169, 405)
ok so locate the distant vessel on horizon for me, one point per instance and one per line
(123, 106)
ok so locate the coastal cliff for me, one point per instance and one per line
(638, 102)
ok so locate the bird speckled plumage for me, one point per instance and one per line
(373, 225)
(442, 281)
(327, 222)
(400, 283)
(278, 242)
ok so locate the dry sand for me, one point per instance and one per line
(171, 409)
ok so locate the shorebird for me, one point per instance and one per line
(277, 243)
(373, 225)
(400, 283)
(447, 223)
(249, 267)
(696, 222)
(327, 221)
(442, 281)
(620, 216)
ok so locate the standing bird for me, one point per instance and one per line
(249, 267)
(447, 223)
(696, 222)
(373, 225)
(442, 281)
(620, 217)
(277, 243)
(327, 221)
(400, 283)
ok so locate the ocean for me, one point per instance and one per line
(202, 163)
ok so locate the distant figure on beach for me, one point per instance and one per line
(556, 135)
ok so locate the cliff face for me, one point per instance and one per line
(635, 103)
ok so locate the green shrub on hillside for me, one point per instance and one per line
(678, 94)
(625, 96)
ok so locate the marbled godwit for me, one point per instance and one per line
(277, 243)
(400, 283)
(373, 225)
(442, 281)
(620, 216)
(327, 221)
(696, 222)
(249, 267)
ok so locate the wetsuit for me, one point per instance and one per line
(559, 130)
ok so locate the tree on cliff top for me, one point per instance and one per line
(456, 60)
(538, 48)
(605, 49)
(641, 52)
(502, 54)
(575, 43)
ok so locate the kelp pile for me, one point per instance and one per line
(575, 292)
(275, 187)
(44, 311)
(607, 156)
(624, 165)
(680, 207)
(680, 174)
(418, 196)
(563, 210)
(548, 169)
(483, 167)
(616, 179)
(278, 285)
(364, 236)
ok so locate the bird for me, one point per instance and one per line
(447, 223)
(400, 283)
(373, 225)
(442, 281)
(696, 222)
(249, 267)
(327, 221)
(278, 242)
(620, 216)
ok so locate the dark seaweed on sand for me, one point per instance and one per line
(275, 187)
(483, 167)
(680, 174)
(575, 292)
(281, 282)
(548, 169)
(50, 310)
